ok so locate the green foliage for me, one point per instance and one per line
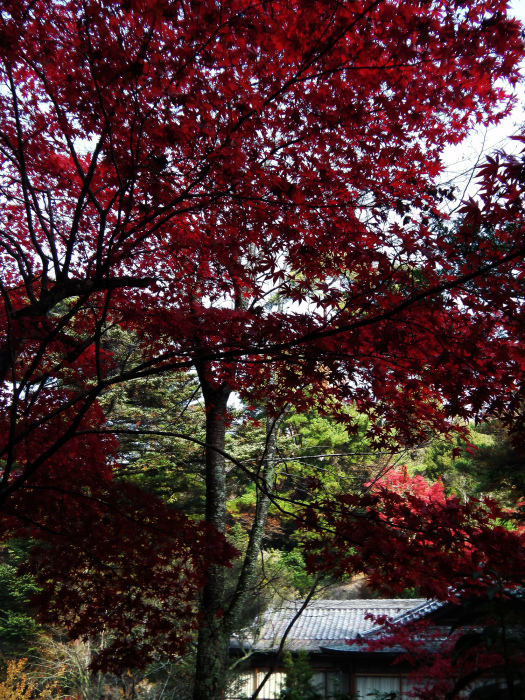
(500, 464)
(438, 462)
(314, 453)
(293, 562)
(489, 464)
(299, 679)
(169, 466)
(324, 449)
(18, 626)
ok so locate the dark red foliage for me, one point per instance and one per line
(172, 169)
(436, 671)
(250, 188)
(404, 533)
(111, 559)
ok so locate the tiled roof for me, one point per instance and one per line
(326, 623)
(418, 612)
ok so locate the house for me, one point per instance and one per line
(323, 630)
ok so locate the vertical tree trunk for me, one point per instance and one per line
(213, 642)
(264, 491)
(221, 621)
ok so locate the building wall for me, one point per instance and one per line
(327, 682)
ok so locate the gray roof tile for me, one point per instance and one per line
(327, 622)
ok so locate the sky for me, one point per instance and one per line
(460, 160)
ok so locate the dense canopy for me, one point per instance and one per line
(250, 190)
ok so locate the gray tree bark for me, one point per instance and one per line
(212, 644)
(220, 616)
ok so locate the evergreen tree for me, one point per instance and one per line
(299, 679)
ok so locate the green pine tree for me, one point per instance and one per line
(299, 679)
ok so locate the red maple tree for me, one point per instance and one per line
(464, 662)
(250, 190)
(469, 553)
(437, 544)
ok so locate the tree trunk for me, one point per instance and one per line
(264, 492)
(219, 623)
(213, 642)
